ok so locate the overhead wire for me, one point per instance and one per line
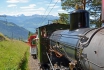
(47, 7)
(49, 12)
(46, 10)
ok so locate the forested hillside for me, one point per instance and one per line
(11, 30)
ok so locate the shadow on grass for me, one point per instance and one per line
(24, 63)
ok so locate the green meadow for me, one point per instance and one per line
(13, 55)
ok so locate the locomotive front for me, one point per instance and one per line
(81, 45)
(92, 55)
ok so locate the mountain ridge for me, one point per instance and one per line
(30, 22)
(12, 30)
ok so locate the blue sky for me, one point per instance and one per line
(30, 7)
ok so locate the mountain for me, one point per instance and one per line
(30, 22)
(13, 31)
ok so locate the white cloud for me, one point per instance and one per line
(31, 6)
(54, 7)
(50, 4)
(33, 9)
(41, 9)
(12, 1)
(12, 5)
(57, 0)
(30, 10)
(62, 11)
(16, 1)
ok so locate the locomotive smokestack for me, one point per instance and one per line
(103, 11)
(79, 19)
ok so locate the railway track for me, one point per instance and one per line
(33, 63)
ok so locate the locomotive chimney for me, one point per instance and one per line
(79, 19)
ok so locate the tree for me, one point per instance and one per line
(70, 4)
(86, 4)
(95, 12)
(63, 18)
(29, 34)
(93, 6)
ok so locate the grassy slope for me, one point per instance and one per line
(12, 53)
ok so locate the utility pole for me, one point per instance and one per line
(49, 21)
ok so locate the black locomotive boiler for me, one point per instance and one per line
(72, 47)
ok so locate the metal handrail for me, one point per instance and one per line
(50, 61)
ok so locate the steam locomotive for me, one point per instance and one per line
(71, 47)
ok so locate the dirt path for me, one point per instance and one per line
(33, 63)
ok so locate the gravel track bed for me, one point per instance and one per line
(33, 63)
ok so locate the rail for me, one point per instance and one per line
(50, 61)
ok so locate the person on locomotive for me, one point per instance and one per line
(33, 47)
